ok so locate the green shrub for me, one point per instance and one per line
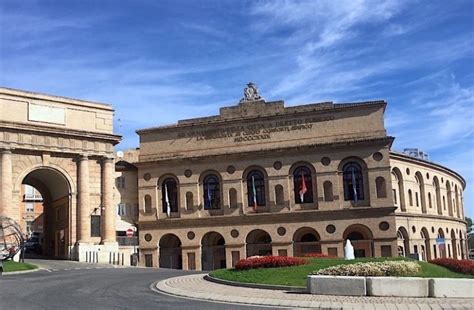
(373, 269)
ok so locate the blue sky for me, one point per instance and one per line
(160, 61)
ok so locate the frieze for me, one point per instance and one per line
(256, 131)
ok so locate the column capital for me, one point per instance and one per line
(82, 157)
(107, 159)
(6, 150)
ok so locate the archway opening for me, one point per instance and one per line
(403, 242)
(454, 244)
(361, 238)
(259, 243)
(170, 252)
(425, 246)
(50, 233)
(213, 251)
(306, 240)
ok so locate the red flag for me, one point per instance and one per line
(303, 188)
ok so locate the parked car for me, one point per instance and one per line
(471, 254)
(32, 245)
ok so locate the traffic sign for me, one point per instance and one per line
(129, 232)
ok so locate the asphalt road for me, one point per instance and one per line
(69, 285)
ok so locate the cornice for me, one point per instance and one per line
(382, 141)
(269, 218)
(411, 159)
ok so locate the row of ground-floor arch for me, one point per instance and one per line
(428, 242)
(217, 249)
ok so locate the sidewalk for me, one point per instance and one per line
(195, 287)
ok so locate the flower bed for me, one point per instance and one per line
(373, 269)
(462, 266)
(318, 255)
(268, 262)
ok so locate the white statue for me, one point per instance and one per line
(349, 250)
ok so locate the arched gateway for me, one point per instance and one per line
(63, 148)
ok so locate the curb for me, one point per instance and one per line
(11, 273)
(295, 289)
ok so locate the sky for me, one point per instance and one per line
(161, 61)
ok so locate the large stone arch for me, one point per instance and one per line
(306, 240)
(56, 239)
(170, 252)
(258, 242)
(54, 142)
(361, 238)
(213, 251)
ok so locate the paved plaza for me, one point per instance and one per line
(196, 287)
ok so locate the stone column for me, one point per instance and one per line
(6, 203)
(83, 201)
(108, 210)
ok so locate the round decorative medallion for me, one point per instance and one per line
(281, 231)
(413, 229)
(230, 169)
(408, 171)
(148, 237)
(234, 233)
(331, 229)
(325, 161)
(188, 173)
(191, 235)
(384, 226)
(377, 156)
(147, 177)
(277, 165)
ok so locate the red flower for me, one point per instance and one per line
(462, 266)
(268, 262)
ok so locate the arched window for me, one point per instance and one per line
(147, 201)
(212, 192)
(380, 187)
(410, 197)
(430, 204)
(169, 195)
(279, 197)
(303, 185)
(233, 198)
(353, 182)
(328, 194)
(189, 201)
(255, 188)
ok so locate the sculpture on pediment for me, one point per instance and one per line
(251, 93)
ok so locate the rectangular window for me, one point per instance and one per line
(416, 198)
(95, 225)
(332, 252)
(29, 227)
(30, 206)
(235, 258)
(121, 209)
(386, 250)
(148, 260)
(191, 261)
(120, 182)
(394, 196)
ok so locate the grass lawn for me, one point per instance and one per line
(9, 266)
(296, 276)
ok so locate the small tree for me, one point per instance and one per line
(468, 224)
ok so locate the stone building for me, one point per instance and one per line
(261, 178)
(65, 149)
